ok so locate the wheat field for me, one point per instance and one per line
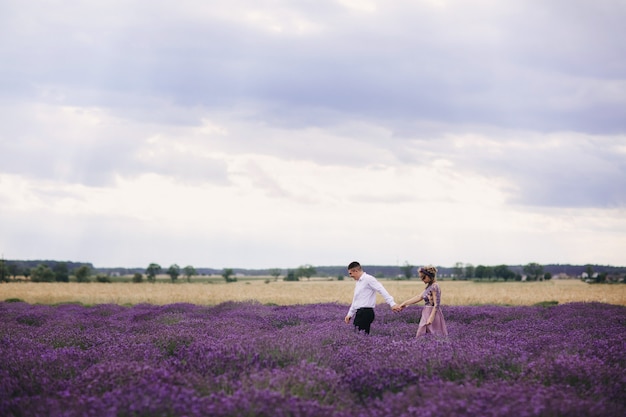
(308, 292)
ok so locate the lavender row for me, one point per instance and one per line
(239, 359)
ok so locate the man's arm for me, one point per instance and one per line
(376, 285)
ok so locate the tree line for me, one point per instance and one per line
(174, 271)
(533, 272)
(60, 272)
(52, 271)
(460, 271)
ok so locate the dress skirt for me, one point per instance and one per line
(438, 326)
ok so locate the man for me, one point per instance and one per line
(364, 300)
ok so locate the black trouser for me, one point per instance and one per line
(363, 319)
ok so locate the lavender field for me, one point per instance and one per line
(246, 359)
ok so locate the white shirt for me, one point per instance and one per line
(365, 294)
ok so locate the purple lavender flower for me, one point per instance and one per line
(238, 359)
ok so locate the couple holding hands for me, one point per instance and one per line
(364, 301)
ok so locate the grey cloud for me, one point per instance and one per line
(579, 172)
(561, 180)
(413, 70)
(187, 168)
(100, 156)
(501, 65)
(264, 181)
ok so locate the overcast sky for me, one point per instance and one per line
(275, 133)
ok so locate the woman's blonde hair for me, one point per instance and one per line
(428, 270)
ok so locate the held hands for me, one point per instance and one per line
(398, 308)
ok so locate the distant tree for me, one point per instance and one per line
(102, 278)
(26, 272)
(291, 276)
(227, 274)
(533, 271)
(42, 273)
(14, 270)
(480, 272)
(275, 272)
(152, 271)
(189, 272)
(601, 277)
(469, 271)
(174, 272)
(305, 271)
(589, 271)
(82, 273)
(340, 277)
(61, 273)
(547, 276)
(137, 278)
(4, 271)
(407, 270)
(457, 270)
(489, 272)
(503, 271)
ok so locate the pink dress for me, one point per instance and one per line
(432, 298)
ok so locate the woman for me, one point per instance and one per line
(432, 318)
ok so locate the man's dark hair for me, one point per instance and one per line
(354, 264)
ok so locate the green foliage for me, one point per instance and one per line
(533, 271)
(14, 270)
(82, 273)
(174, 272)
(227, 274)
(275, 273)
(137, 278)
(483, 272)
(42, 273)
(305, 271)
(103, 278)
(189, 271)
(550, 303)
(4, 271)
(458, 271)
(503, 271)
(592, 277)
(407, 270)
(152, 271)
(61, 272)
(291, 276)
